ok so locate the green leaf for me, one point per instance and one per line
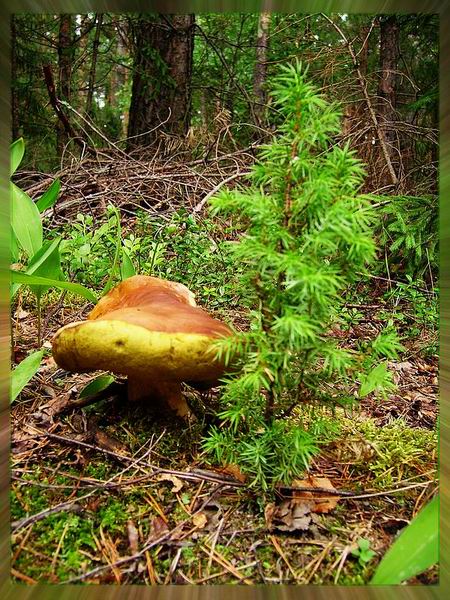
(46, 263)
(49, 198)
(75, 288)
(25, 221)
(14, 247)
(375, 380)
(24, 372)
(97, 385)
(17, 150)
(414, 551)
(109, 283)
(126, 268)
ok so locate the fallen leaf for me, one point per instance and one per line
(320, 503)
(103, 440)
(289, 515)
(21, 314)
(200, 520)
(133, 537)
(158, 527)
(176, 481)
(233, 471)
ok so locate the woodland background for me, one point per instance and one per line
(136, 122)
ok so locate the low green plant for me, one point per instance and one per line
(43, 268)
(398, 451)
(190, 251)
(410, 233)
(306, 233)
(363, 552)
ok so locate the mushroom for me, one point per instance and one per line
(152, 331)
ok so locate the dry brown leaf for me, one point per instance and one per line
(158, 527)
(21, 314)
(133, 537)
(320, 504)
(107, 442)
(290, 515)
(233, 471)
(200, 520)
(176, 481)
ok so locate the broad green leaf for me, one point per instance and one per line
(49, 198)
(25, 221)
(126, 268)
(373, 380)
(115, 264)
(414, 551)
(14, 247)
(97, 385)
(46, 263)
(24, 372)
(75, 288)
(17, 150)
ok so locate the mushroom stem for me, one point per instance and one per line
(164, 393)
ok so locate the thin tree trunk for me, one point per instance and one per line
(387, 96)
(122, 72)
(14, 97)
(93, 69)
(64, 71)
(161, 92)
(260, 71)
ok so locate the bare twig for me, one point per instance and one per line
(210, 194)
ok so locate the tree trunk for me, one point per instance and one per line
(65, 50)
(161, 91)
(387, 96)
(260, 71)
(122, 70)
(90, 92)
(14, 97)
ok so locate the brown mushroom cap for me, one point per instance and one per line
(146, 328)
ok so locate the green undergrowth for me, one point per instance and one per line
(384, 456)
(183, 248)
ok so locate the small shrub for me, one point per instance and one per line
(306, 233)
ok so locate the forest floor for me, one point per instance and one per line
(114, 493)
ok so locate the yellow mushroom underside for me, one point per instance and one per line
(135, 351)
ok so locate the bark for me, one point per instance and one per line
(260, 72)
(161, 90)
(90, 92)
(387, 96)
(122, 72)
(65, 52)
(14, 96)
(355, 112)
